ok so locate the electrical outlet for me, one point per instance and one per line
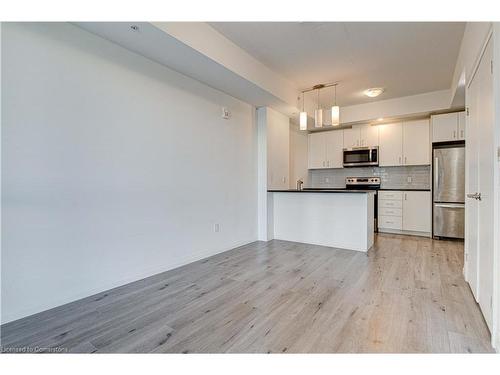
(216, 227)
(225, 113)
(327, 180)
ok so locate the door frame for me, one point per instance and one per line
(496, 256)
(494, 36)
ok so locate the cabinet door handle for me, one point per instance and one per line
(400, 160)
(461, 134)
(405, 159)
(454, 134)
(405, 196)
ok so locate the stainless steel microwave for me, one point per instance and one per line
(361, 156)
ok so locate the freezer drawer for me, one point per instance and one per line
(449, 220)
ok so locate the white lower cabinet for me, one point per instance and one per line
(417, 211)
(404, 212)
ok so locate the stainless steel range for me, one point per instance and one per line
(365, 183)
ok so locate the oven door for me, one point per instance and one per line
(359, 157)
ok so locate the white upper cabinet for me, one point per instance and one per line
(361, 136)
(417, 211)
(416, 143)
(369, 136)
(404, 143)
(325, 149)
(352, 137)
(461, 125)
(390, 144)
(448, 127)
(334, 146)
(316, 151)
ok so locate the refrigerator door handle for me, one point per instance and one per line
(436, 174)
(450, 205)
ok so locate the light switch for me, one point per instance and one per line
(408, 179)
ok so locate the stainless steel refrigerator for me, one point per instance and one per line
(449, 191)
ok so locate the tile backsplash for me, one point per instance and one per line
(414, 177)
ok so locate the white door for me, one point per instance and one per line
(471, 186)
(417, 211)
(416, 143)
(461, 125)
(444, 127)
(482, 124)
(317, 151)
(334, 145)
(351, 137)
(368, 135)
(390, 144)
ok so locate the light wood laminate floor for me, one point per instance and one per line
(407, 294)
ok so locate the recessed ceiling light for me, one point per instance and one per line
(373, 92)
(380, 119)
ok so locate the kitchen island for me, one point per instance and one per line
(338, 218)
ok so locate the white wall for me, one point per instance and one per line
(114, 168)
(278, 150)
(397, 107)
(474, 39)
(298, 157)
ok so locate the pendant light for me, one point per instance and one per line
(318, 115)
(335, 111)
(303, 116)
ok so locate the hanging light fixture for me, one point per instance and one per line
(318, 113)
(335, 110)
(303, 116)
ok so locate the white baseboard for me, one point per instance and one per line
(405, 232)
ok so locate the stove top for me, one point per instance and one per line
(363, 183)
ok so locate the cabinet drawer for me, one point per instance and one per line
(387, 211)
(390, 203)
(390, 222)
(398, 195)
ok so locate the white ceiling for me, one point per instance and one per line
(404, 58)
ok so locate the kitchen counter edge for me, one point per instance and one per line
(345, 191)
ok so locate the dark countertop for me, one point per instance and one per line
(345, 191)
(406, 189)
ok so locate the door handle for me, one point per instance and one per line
(454, 134)
(449, 205)
(476, 196)
(436, 173)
